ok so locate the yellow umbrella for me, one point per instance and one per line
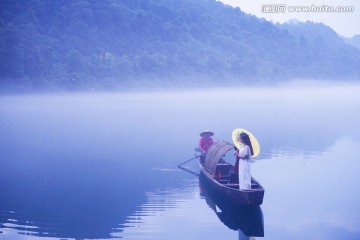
(255, 144)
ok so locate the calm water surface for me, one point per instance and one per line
(104, 165)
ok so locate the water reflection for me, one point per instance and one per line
(247, 220)
(81, 165)
(312, 195)
(13, 225)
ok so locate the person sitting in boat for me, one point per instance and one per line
(205, 142)
(243, 155)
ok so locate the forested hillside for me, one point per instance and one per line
(101, 44)
(354, 41)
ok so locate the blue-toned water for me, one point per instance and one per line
(104, 165)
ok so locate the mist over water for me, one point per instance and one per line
(82, 165)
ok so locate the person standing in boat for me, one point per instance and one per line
(205, 142)
(243, 156)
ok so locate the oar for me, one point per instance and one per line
(188, 170)
(179, 166)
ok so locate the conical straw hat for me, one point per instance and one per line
(207, 133)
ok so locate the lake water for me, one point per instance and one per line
(104, 165)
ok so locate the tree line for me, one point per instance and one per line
(101, 44)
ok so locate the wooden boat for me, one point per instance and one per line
(221, 177)
(245, 218)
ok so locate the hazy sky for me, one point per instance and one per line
(346, 24)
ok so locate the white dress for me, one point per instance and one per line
(244, 169)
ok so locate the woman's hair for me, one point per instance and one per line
(246, 139)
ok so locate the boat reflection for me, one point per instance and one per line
(247, 220)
